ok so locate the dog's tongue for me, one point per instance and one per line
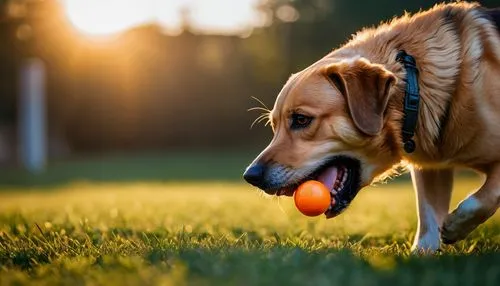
(328, 177)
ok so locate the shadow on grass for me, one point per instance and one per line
(295, 266)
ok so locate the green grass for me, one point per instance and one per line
(174, 166)
(225, 234)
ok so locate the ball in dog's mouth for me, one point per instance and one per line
(341, 175)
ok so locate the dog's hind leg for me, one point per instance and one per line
(474, 210)
(433, 191)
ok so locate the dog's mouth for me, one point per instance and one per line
(341, 175)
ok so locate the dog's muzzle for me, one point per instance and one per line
(269, 177)
(254, 175)
(340, 174)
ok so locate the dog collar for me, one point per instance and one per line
(411, 101)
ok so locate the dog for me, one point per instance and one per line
(420, 91)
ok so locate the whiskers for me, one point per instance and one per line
(265, 115)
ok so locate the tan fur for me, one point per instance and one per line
(451, 68)
(458, 57)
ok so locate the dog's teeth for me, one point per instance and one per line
(344, 178)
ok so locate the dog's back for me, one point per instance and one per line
(493, 15)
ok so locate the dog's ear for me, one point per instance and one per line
(366, 88)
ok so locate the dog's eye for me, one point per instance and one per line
(300, 121)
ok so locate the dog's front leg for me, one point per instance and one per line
(433, 193)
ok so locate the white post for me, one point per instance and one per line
(32, 116)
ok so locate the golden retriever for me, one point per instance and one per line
(340, 120)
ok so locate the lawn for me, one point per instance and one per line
(225, 233)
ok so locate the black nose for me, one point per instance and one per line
(254, 174)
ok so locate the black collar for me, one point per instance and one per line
(411, 102)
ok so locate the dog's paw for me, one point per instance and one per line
(450, 232)
(428, 243)
(463, 220)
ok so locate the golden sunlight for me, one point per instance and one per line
(105, 17)
(108, 17)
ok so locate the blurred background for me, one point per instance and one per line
(155, 89)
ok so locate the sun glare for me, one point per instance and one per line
(105, 17)
(223, 16)
(108, 17)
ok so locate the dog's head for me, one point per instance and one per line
(331, 124)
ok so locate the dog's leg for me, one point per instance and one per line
(474, 210)
(433, 192)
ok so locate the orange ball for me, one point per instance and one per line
(312, 198)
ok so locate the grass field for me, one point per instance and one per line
(223, 233)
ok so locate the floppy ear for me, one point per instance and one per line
(366, 88)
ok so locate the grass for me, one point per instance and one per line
(225, 234)
(174, 166)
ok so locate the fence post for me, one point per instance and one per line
(32, 116)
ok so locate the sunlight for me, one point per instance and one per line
(108, 17)
(223, 16)
(105, 17)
